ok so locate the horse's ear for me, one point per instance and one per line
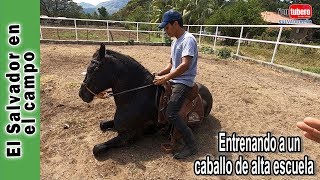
(102, 50)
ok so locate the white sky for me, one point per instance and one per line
(93, 2)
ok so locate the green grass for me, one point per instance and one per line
(297, 57)
(154, 38)
(312, 69)
(307, 59)
(301, 58)
(256, 52)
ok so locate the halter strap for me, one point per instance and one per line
(90, 91)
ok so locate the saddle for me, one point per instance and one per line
(191, 112)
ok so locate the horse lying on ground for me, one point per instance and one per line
(136, 110)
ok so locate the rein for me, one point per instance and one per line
(130, 90)
(116, 94)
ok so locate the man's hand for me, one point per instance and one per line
(158, 80)
(311, 128)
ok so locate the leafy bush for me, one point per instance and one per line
(316, 35)
(271, 34)
(224, 53)
(130, 42)
(167, 41)
(307, 51)
(207, 50)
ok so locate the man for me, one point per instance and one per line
(181, 72)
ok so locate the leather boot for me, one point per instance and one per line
(190, 147)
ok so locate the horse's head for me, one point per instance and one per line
(99, 76)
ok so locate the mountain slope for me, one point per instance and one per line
(136, 10)
(85, 5)
(90, 10)
(112, 6)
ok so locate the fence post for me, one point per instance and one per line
(162, 36)
(239, 41)
(75, 28)
(137, 32)
(41, 33)
(215, 38)
(276, 47)
(108, 31)
(58, 33)
(200, 36)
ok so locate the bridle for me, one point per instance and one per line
(95, 69)
(109, 94)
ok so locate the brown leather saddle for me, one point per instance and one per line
(191, 112)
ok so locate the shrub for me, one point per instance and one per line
(130, 42)
(206, 50)
(167, 41)
(307, 51)
(224, 53)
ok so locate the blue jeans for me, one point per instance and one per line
(179, 94)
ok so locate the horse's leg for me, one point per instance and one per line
(106, 125)
(118, 141)
(150, 129)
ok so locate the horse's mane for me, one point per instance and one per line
(130, 63)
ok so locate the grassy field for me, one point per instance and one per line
(307, 59)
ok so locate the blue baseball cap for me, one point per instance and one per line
(170, 16)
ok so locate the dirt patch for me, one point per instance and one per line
(249, 99)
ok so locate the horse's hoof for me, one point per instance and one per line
(99, 149)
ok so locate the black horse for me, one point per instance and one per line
(136, 110)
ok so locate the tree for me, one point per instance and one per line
(238, 12)
(136, 10)
(65, 8)
(86, 16)
(315, 9)
(273, 5)
(95, 15)
(103, 12)
(195, 12)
